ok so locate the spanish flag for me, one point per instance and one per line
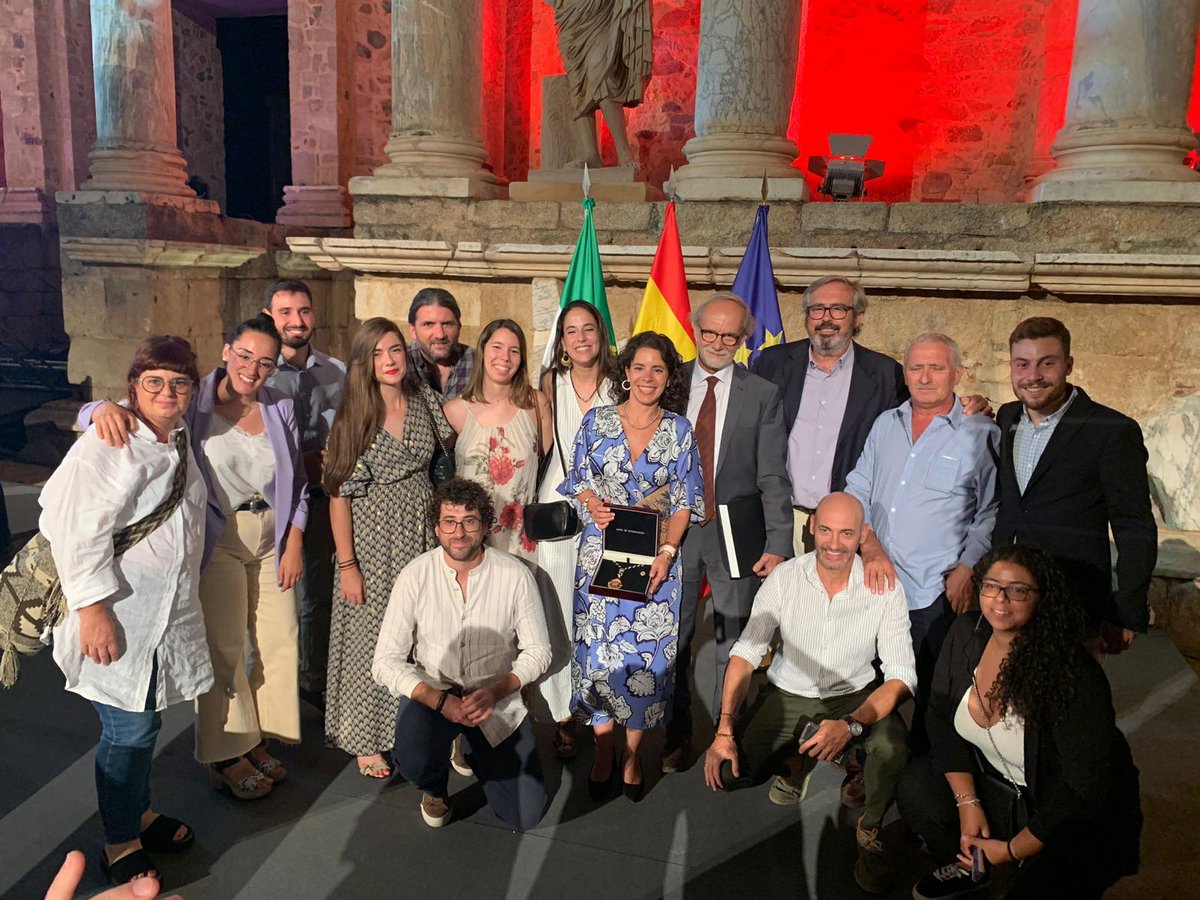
(665, 305)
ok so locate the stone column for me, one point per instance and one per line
(320, 87)
(1126, 131)
(133, 65)
(436, 145)
(745, 78)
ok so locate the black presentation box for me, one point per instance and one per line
(630, 546)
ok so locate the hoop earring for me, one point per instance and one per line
(565, 360)
(625, 385)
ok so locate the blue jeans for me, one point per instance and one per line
(123, 759)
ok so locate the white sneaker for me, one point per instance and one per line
(435, 811)
(457, 761)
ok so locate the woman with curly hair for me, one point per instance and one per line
(640, 452)
(1027, 768)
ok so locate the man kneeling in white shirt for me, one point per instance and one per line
(831, 629)
(463, 632)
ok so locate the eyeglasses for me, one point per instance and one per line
(709, 336)
(153, 384)
(470, 525)
(1014, 592)
(263, 365)
(837, 313)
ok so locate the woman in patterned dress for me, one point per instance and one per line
(377, 478)
(623, 669)
(581, 378)
(503, 426)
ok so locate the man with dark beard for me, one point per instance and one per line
(314, 382)
(1071, 469)
(434, 323)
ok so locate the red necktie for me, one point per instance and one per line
(706, 434)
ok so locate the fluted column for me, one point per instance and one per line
(436, 145)
(319, 81)
(745, 75)
(1126, 131)
(133, 63)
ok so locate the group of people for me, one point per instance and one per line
(353, 534)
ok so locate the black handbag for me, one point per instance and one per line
(557, 520)
(441, 464)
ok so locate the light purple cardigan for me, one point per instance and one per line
(288, 490)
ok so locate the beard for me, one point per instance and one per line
(462, 553)
(294, 340)
(831, 342)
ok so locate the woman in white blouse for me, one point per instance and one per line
(133, 642)
(581, 378)
(244, 434)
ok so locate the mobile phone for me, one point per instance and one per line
(811, 728)
(979, 865)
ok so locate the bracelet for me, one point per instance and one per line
(726, 716)
(667, 548)
(441, 702)
(964, 795)
(1012, 855)
(972, 802)
(723, 734)
(348, 564)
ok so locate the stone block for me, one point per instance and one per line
(957, 219)
(545, 297)
(105, 360)
(1172, 438)
(505, 214)
(130, 300)
(633, 217)
(850, 217)
(1179, 616)
(84, 308)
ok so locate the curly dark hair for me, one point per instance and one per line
(465, 493)
(674, 396)
(1037, 678)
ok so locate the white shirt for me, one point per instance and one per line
(828, 645)
(1009, 734)
(242, 465)
(429, 634)
(721, 392)
(152, 590)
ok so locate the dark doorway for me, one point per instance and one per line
(258, 158)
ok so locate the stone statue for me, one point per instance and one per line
(605, 48)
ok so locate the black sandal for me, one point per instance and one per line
(159, 836)
(133, 865)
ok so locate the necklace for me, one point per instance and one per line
(583, 399)
(636, 427)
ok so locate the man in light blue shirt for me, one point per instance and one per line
(314, 382)
(927, 479)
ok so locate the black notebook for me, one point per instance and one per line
(743, 534)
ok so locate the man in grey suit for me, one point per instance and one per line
(740, 432)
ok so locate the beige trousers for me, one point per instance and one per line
(253, 638)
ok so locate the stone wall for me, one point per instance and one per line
(30, 290)
(372, 78)
(200, 103)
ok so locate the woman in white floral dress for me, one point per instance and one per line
(624, 665)
(503, 426)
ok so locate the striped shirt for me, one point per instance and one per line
(427, 372)
(812, 442)
(828, 645)
(430, 635)
(1030, 441)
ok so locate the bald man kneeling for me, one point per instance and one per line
(832, 628)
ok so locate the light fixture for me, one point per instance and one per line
(845, 171)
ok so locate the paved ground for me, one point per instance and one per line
(328, 832)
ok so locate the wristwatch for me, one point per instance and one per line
(856, 727)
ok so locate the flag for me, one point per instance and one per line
(755, 283)
(585, 281)
(665, 307)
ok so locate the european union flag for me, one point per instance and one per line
(755, 283)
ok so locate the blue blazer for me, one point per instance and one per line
(288, 491)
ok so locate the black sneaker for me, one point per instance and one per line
(946, 883)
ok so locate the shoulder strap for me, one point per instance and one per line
(131, 534)
(437, 435)
(554, 419)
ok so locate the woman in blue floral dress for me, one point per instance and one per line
(640, 452)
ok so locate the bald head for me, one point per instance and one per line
(837, 527)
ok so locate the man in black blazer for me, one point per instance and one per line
(747, 442)
(833, 391)
(1070, 469)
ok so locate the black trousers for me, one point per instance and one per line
(928, 628)
(1078, 865)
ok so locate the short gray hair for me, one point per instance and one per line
(748, 322)
(936, 337)
(860, 296)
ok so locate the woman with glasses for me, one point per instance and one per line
(503, 426)
(133, 640)
(1027, 771)
(377, 476)
(640, 452)
(245, 437)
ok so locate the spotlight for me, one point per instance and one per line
(846, 170)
